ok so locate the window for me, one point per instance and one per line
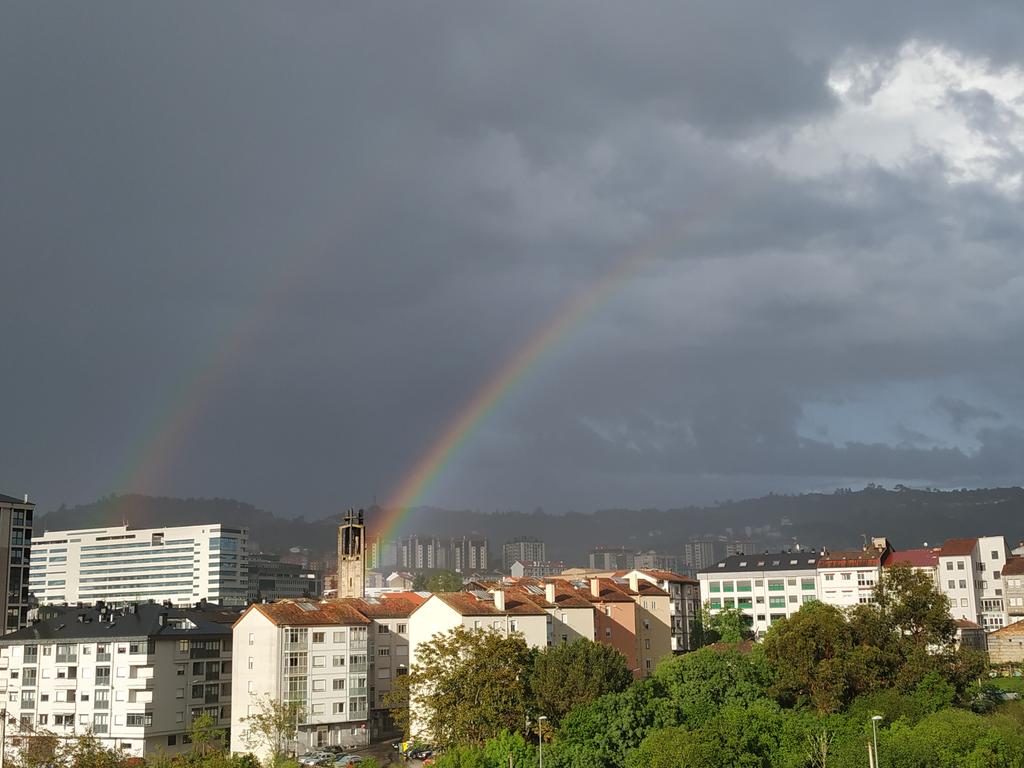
(996, 574)
(180, 670)
(139, 720)
(949, 565)
(319, 685)
(318, 637)
(792, 598)
(830, 577)
(179, 693)
(43, 719)
(401, 627)
(338, 684)
(383, 651)
(959, 565)
(252, 663)
(383, 629)
(319, 661)
(339, 637)
(337, 661)
(963, 584)
(647, 644)
(338, 707)
(995, 554)
(963, 602)
(252, 638)
(172, 740)
(952, 584)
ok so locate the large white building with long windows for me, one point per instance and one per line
(121, 565)
(765, 587)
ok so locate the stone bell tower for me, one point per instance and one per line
(351, 555)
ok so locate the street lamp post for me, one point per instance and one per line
(540, 738)
(874, 732)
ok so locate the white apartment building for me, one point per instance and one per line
(570, 616)
(134, 677)
(121, 565)
(313, 654)
(848, 578)
(766, 587)
(970, 575)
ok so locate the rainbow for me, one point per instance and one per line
(439, 454)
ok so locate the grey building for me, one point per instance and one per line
(524, 549)
(611, 558)
(702, 552)
(467, 554)
(1013, 588)
(15, 554)
(270, 579)
(135, 677)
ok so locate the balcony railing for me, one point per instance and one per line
(203, 653)
(105, 656)
(214, 675)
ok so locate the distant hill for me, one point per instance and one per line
(908, 517)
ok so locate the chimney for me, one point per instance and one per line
(549, 592)
(26, 498)
(499, 599)
(595, 587)
(634, 582)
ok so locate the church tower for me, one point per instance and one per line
(351, 555)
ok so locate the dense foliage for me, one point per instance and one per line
(804, 698)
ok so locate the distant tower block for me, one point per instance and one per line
(351, 560)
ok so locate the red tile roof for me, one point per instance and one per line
(958, 547)
(306, 613)
(1014, 567)
(1011, 629)
(916, 558)
(376, 608)
(660, 575)
(965, 624)
(468, 604)
(856, 558)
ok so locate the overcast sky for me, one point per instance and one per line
(269, 250)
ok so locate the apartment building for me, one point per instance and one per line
(468, 554)
(135, 677)
(652, 560)
(15, 552)
(632, 615)
(388, 651)
(270, 579)
(570, 617)
(1013, 588)
(610, 558)
(765, 587)
(120, 565)
(314, 654)
(684, 603)
(923, 560)
(971, 576)
(848, 578)
(524, 549)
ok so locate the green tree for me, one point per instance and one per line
(466, 687)
(696, 685)
(39, 749)
(444, 581)
(206, 737)
(729, 625)
(503, 750)
(571, 674)
(914, 608)
(271, 727)
(809, 652)
(88, 752)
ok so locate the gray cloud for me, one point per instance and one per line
(286, 247)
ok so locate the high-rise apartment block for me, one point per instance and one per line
(15, 553)
(464, 554)
(467, 554)
(525, 549)
(121, 565)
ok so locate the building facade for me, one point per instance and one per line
(135, 677)
(1013, 588)
(684, 604)
(312, 654)
(468, 554)
(848, 578)
(765, 587)
(15, 554)
(1006, 645)
(610, 558)
(352, 555)
(971, 576)
(121, 565)
(524, 549)
(270, 579)
(536, 569)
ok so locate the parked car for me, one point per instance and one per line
(319, 757)
(422, 753)
(346, 760)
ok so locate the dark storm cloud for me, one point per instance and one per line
(318, 231)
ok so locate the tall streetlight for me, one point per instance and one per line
(540, 738)
(874, 732)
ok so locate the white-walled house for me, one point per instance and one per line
(135, 677)
(970, 575)
(848, 578)
(312, 653)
